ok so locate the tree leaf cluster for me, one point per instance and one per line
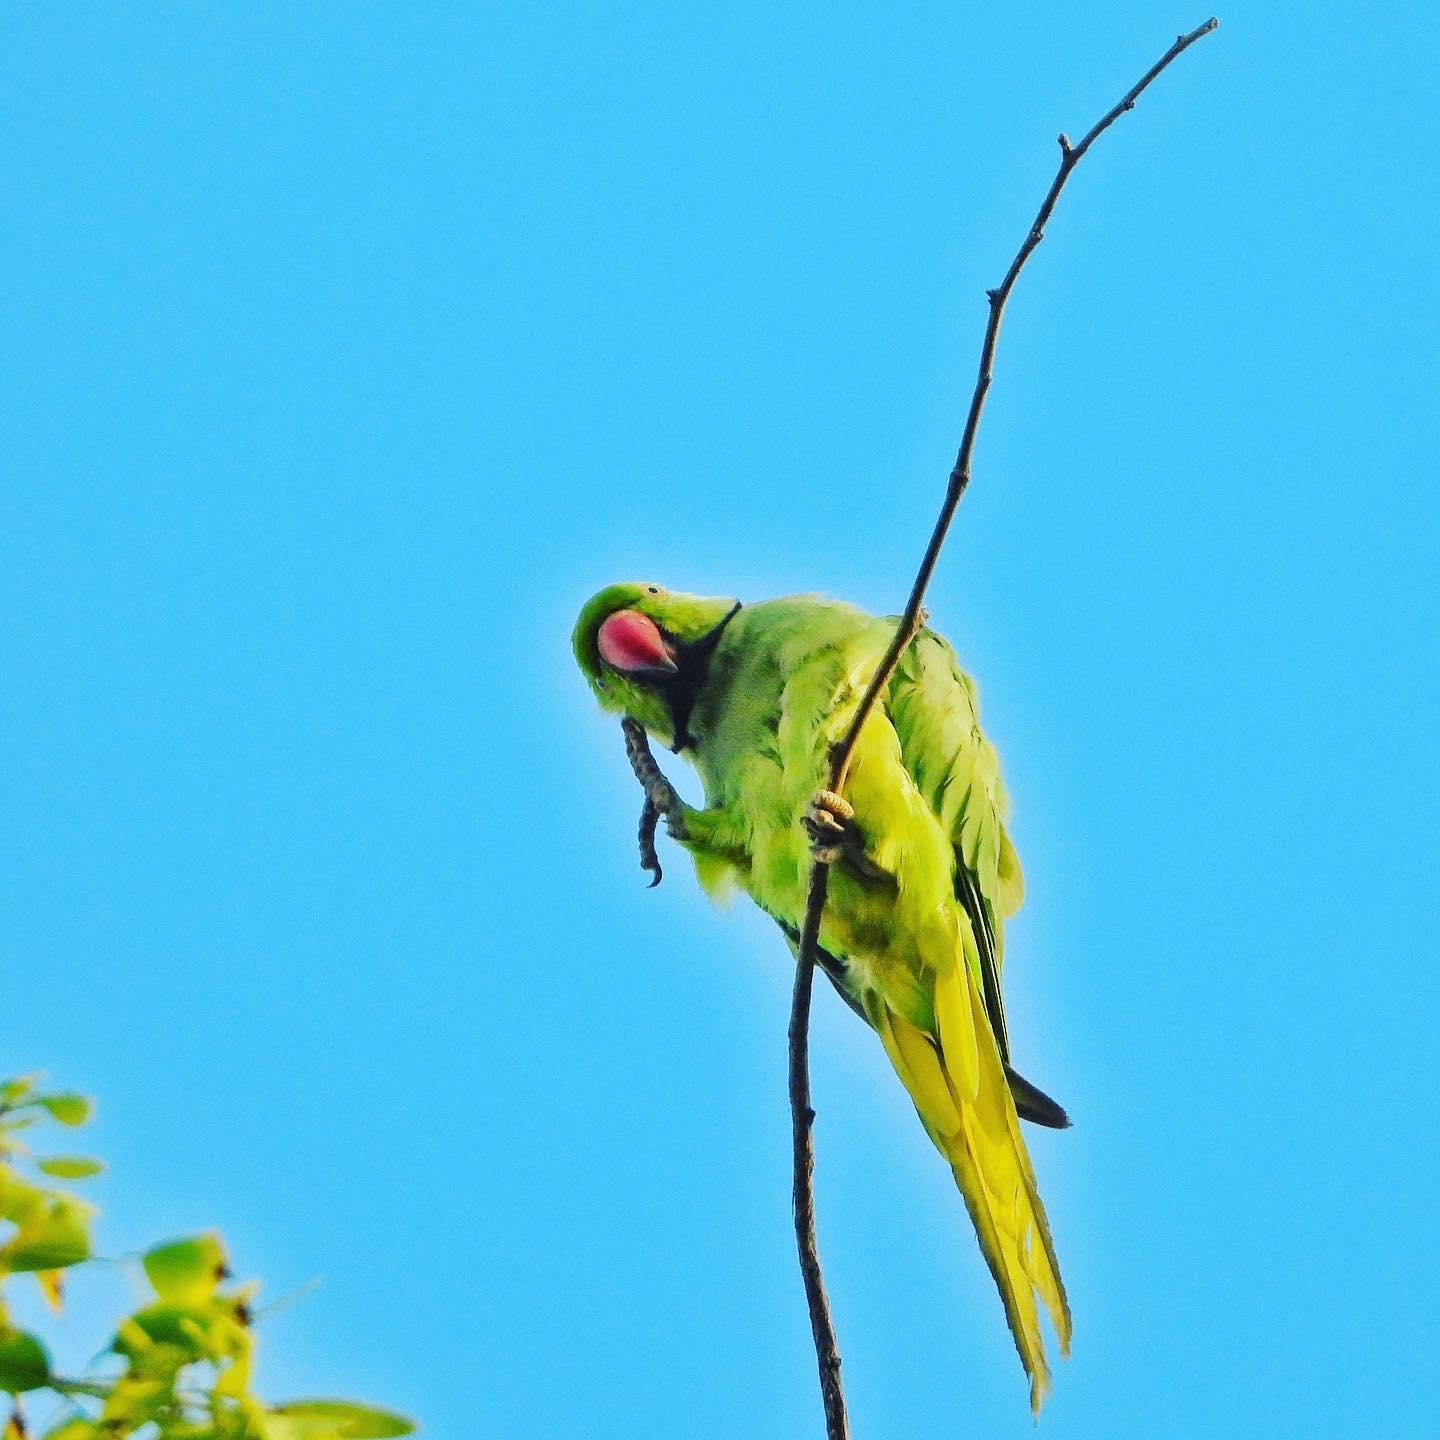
(179, 1366)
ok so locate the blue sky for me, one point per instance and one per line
(348, 348)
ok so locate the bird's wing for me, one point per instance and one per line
(933, 707)
(925, 787)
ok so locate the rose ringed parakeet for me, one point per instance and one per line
(922, 876)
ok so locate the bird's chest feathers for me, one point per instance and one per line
(756, 803)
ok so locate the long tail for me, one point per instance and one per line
(958, 1084)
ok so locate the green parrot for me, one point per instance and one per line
(923, 875)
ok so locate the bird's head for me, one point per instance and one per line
(646, 650)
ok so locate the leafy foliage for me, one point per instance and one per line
(177, 1368)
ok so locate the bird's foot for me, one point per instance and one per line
(660, 795)
(829, 821)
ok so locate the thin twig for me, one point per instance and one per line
(802, 1142)
(802, 1115)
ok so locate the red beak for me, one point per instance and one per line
(633, 644)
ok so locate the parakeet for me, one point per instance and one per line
(923, 874)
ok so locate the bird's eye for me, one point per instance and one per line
(652, 589)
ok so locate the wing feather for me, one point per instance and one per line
(935, 710)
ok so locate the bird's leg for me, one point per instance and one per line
(829, 821)
(709, 832)
(661, 799)
(661, 796)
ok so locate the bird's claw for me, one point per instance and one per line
(829, 821)
(835, 839)
(662, 802)
(649, 856)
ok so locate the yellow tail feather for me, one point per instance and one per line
(975, 1127)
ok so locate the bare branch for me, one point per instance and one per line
(802, 1115)
(802, 1193)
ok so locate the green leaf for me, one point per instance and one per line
(280, 1427)
(68, 1108)
(20, 1201)
(19, 1087)
(187, 1271)
(52, 1240)
(72, 1429)
(24, 1363)
(180, 1327)
(69, 1167)
(343, 1418)
(133, 1401)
